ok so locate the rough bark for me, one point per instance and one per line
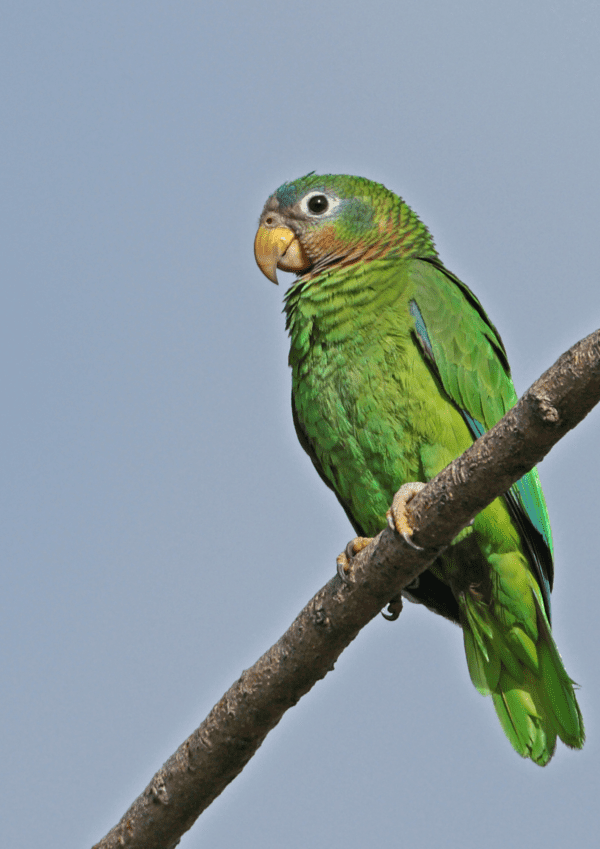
(220, 748)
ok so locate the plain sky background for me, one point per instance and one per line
(161, 526)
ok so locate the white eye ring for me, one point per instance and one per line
(332, 203)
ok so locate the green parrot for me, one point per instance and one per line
(396, 370)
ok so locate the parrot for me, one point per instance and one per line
(396, 371)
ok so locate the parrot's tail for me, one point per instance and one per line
(532, 693)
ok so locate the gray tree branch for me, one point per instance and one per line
(219, 749)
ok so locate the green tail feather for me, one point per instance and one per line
(558, 694)
(522, 720)
(532, 693)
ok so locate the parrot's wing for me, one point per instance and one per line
(466, 354)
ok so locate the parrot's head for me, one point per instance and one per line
(333, 220)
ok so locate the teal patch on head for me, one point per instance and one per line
(287, 195)
(290, 193)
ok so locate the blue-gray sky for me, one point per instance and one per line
(157, 511)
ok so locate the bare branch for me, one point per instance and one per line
(220, 748)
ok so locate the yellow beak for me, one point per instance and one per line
(278, 247)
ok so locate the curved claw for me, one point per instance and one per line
(408, 540)
(349, 550)
(394, 609)
(341, 565)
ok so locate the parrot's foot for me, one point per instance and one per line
(396, 515)
(343, 560)
(357, 544)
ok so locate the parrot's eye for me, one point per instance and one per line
(317, 203)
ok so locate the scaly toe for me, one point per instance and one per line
(343, 560)
(357, 544)
(396, 515)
